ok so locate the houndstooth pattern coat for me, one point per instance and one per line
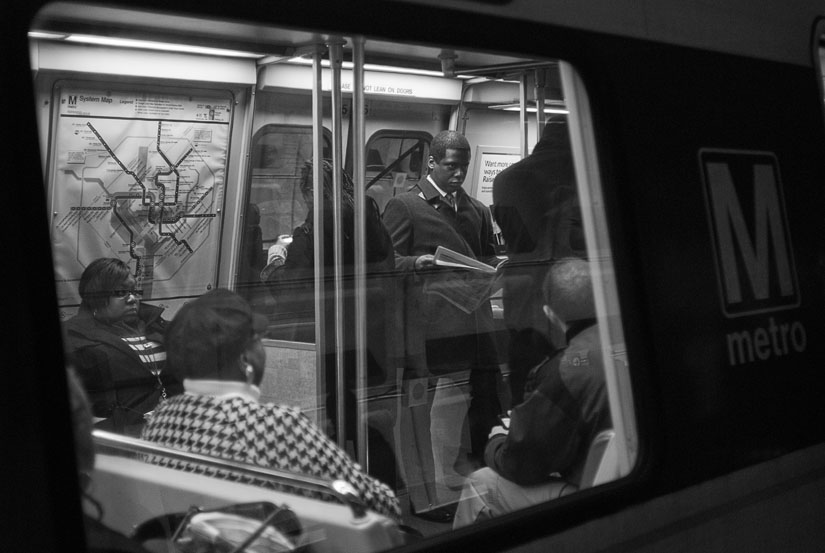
(262, 434)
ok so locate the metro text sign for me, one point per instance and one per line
(752, 244)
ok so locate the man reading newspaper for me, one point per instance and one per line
(442, 338)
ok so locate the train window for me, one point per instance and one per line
(394, 162)
(442, 308)
(275, 207)
(279, 153)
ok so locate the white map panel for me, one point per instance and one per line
(140, 177)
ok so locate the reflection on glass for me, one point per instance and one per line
(523, 390)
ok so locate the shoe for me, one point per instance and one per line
(466, 465)
(443, 515)
(454, 481)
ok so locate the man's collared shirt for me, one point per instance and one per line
(222, 389)
(451, 198)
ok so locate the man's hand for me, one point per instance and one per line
(496, 430)
(278, 250)
(503, 428)
(424, 262)
(276, 256)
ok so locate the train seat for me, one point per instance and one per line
(131, 491)
(602, 460)
(374, 161)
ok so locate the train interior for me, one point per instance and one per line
(178, 144)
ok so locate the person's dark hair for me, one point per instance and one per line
(447, 140)
(348, 187)
(98, 280)
(568, 290)
(347, 200)
(206, 337)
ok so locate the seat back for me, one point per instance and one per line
(602, 460)
(131, 491)
(374, 161)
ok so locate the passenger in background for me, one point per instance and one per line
(253, 257)
(542, 453)
(99, 537)
(442, 339)
(214, 345)
(536, 205)
(290, 273)
(116, 343)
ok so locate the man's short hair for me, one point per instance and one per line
(568, 290)
(447, 140)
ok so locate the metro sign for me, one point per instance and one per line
(748, 222)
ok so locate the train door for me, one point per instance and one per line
(300, 301)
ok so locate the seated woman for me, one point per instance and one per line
(116, 343)
(214, 344)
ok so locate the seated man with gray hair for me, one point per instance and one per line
(541, 455)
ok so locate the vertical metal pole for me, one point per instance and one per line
(522, 92)
(359, 177)
(318, 224)
(336, 59)
(541, 83)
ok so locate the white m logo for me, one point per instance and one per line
(753, 254)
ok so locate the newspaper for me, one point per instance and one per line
(450, 258)
(468, 287)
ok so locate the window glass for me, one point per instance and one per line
(394, 162)
(276, 206)
(141, 189)
(459, 356)
(278, 156)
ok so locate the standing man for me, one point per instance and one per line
(440, 338)
(536, 205)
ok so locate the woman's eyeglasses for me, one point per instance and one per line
(124, 292)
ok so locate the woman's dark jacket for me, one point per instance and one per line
(120, 386)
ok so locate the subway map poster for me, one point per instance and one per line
(140, 177)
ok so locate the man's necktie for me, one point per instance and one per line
(450, 198)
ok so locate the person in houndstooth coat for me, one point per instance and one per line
(214, 344)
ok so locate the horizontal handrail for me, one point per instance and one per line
(340, 489)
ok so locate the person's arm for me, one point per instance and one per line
(276, 257)
(292, 264)
(334, 463)
(90, 364)
(488, 239)
(399, 222)
(379, 244)
(542, 439)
